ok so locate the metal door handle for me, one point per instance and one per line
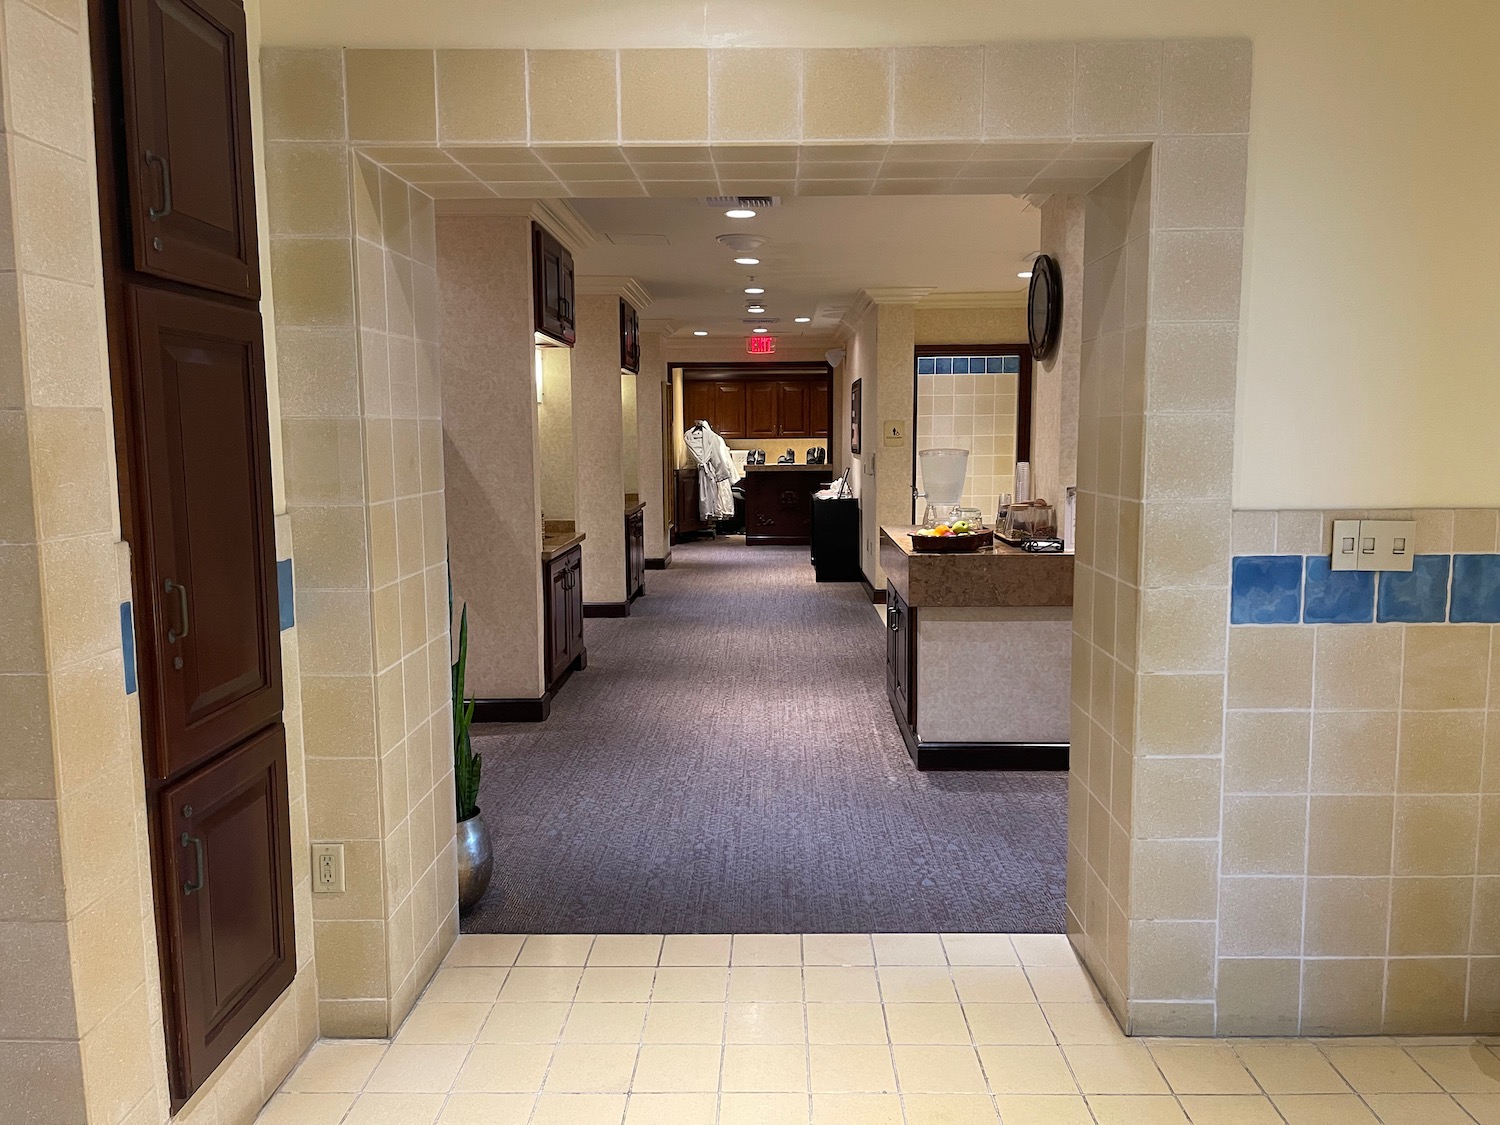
(156, 159)
(192, 885)
(893, 620)
(173, 636)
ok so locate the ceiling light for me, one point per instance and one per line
(802, 319)
(755, 308)
(760, 330)
(754, 290)
(1024, 273)
(747, 261)
(699, 332)
(739, 213)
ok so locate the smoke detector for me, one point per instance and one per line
(742, 243)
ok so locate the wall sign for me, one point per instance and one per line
(760, 345)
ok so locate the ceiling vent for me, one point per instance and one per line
(752, 202)
(761, 321)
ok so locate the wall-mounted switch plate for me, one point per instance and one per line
(1387, 544)
(1345, 545)
(328, 869)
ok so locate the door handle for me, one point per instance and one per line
(196, 884)
(173, 636)
(154, 159)
(893, 620)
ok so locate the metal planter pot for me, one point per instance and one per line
(475, 861)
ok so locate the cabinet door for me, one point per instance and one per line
(552, 286)
(900, 653)
(210, 629)
(566, 312)
(760, 410)
(817, 409)
(793, 419)
(698, 404)
(729, 409)
(558, 628)
(224, 878)
(187, 140)
(575, 606)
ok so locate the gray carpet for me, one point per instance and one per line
(728, 764)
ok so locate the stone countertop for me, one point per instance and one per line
(788, 468)
(633, 503)
(998, 576)
(555, 543)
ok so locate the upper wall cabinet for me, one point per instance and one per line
(630, 338)
(758, 407)
(187, 138)
(552, 286)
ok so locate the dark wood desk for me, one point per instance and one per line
(778, 502)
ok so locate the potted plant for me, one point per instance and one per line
(475, 858)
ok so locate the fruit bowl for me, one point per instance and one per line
(954, 541)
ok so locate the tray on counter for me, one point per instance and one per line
(967, 541)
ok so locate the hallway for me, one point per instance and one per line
(728, 764)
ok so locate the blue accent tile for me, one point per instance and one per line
(994, 364)
(1344, 597)
(1421, 595)
(927, 366)
(1012, 365)
(960, 365)
(1476, 588)
(944, 365)
(127, 642)
(1266, 590)
(284, 593)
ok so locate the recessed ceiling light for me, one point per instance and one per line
(747, 261)
(755, 308)
(1024, 273)
(754, 290)
(760, 330)
(739, 213)
(699, 332)
(802, 319)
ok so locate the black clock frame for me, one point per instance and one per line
(1044, 305)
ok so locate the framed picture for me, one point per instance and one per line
(854, 416)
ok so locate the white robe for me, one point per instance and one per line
(716, 473)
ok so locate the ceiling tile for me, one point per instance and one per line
(930, 150)
(777, 170)
(837, 171)
(580, 154)
(513, 173)
(406, 154)
(604, 189)
(685, 189)
(834, 187)
(431, 173)
(885, 186)
(753, 153)
(472, 189)
(553, 190)
(703, 170)
(492, 154)
(842, 152)
(571, 172)
(667, 154)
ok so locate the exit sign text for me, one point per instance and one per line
(760, 345)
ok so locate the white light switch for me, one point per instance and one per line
(1387, 544)
(1345, 545)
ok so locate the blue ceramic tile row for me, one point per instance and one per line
(1287, 589)
(969, 365)
(127, 642)
(284, 593)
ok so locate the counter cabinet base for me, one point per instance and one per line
(989, 756)
(607, 609)
(527, 710)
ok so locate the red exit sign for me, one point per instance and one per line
(760, 345)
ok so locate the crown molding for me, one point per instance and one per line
(564, 223)
(1002, 299)
(612, 285)
(659, 327)
(903, 295)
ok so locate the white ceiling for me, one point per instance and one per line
(820, 252)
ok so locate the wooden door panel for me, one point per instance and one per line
(225, 878)
(188, 148)
(729, 409)
(575, 607)
(817, 409)
(698, 404)
(761, 410)
(559, 635)
(212, 635)
(793, 410)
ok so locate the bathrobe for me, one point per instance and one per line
(716, 472)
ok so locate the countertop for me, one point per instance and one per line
(998, 576)
(633, 503)
(555, 543)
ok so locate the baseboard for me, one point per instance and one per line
(877, 597)
(606, 609)
(513, 710)
(659, 564)
(989, 756)
(637, 592)
(778, 540)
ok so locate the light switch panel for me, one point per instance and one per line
(1345, 545)
(1387, 544)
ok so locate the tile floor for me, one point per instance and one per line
(840, 1029)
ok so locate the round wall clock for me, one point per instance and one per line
(1044, 306)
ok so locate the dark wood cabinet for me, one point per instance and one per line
(778, 503)
(698, 404)
(187, 156)
(759, 408)
(818, 405)
(687, 520)
(900, 656)
(224, 885)
(209, 553)
(552, 286)
(761, 411)
(630, 338)
(728, 414)
(835, 540)
(792, 418)
(635, 554)
(562, 595)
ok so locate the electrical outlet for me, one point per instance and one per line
(328, 869)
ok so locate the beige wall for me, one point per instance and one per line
(1054, 382)
(938, 325)
(598, 443)
(555, 435)
(630, 449)
(650, 385)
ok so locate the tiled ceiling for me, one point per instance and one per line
(607, 171)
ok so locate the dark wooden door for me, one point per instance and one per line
(729, 409)
(558, 625)
(209, 548)
(187, 143)
(817, 409)
(635, 553)
(900, 660)
(761, 410)
(575, 605)
(552, 286)
(793, 416)
(698, 404)
(224, 877)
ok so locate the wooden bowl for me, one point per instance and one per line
(967, 541)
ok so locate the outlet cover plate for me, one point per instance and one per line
(1345, 545)
(1387, 544)
(328, 869)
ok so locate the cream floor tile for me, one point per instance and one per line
(1018, 1024)
(684, 1023)
(840, 985)
(487, 1109)
(980, 949)
(927, 1023)
(1043, 1109)
(695, 949)
(1291, 1068)
(335, 1067)
(1027, 1070)
(1460, 1070)
(697, 984)
(938, 1070)
(504, 1068)
(856, 1109)
(1136, 1109)
(765, 1069)
(1380, 1070)
(1417, 1109)
(395, 1109)
(1233, 1109)
(762, 1109)
(909, 949)
(1324, 1109)
(677, 1069)
(849, 1069)
(417, 1069)
(1083, 1023)
(464, 984)
(1203, 1069)
(604, 1023)
(615, 986)
(766, 983)
(626, 950)
(306, 1109)
(443, 1023)
(950, 1109)
(485, 949)
(556, 950)
(992, 984)
(845, 1023)
(1484, 1108)
(766, 949)
(579, 1109)
(1061, 984)
(524, 1022)
(916, 984)
(765, 1023)
(591, 1068)
(671, 1109)
(535, 983)
(1115, 1068)
(837, 949)
(1044, 949)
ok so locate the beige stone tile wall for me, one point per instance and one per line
(598, 446)
(649, 387)
(555, 434)
(1054, 382)
(977, 413)
(1361, 836)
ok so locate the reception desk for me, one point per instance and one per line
(778, 502)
